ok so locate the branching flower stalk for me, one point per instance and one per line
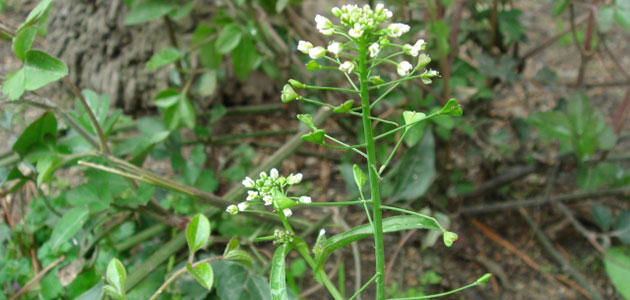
(364, 46)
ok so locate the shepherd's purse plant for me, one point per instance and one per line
(364, 48)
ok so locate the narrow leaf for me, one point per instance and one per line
(36, 13)
(23, 41)
(359, 177)
(187, 112)
(278, 280)
(392, 224)
(69, 224)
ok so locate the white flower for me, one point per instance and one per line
(356, 31)
(404, 68)
(420, 45)
(304, 46)
(287, 212)
(251, 195)
(248, 183)
(243, 206)
(335, 48)
(374, 49)
(294, 179)
(336, 11)
(397, 29)
(322, 232)
(263, 175)
(324, 25)
(432, 73)
(317, 52)
(232, 209)
(273, 173)
(346, 66)
(305, 199)
(268, 200)
(379, 7)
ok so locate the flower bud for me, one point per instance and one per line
(232, 209)
(449, 238)
(317, 52)
(296, 84)
(288, 94)
(423, 60)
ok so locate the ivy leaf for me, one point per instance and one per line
(69, 224)
(203, 273)
(163, 58)
(41, 69)
(228, 39)
(197, 233)
(148, 11)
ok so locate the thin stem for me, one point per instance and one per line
(379, 246)
(382, 96)
(321, 274)
(341, 203)
(328, 88)
(179, 273)
(375, 119)
(346, 146)
(440, 294)
(391, 155)
(396, 81)
(97, 127)
(380, 136)
(364, 286)
(37, 278)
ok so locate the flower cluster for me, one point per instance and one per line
(282, 237)
(270, 190)
(361, 24)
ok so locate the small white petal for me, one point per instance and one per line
(316, 52)
(347, 67)
(335, 48)
(304, 46)
(232, 209)
(287, 212)
(305, 199)
(374, 49)
(243, 206)
(273, 173)
(404, 68)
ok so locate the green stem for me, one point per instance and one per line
(440, 294)
(373, 176)
(327, 88)
(320, 275)
(180, 272)
(364, 286)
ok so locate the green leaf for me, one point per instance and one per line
(42, 130)
(148, 11)
(451, 108)
(559, 7)
(359, 177)
(112, 292)
(412, 117)
(392, 224)
(166, 98)
(172, 117)
(69, 224)
(449, 238)
(94, 196)
(116, 276)
(13, 85)
(245, 59)
(617, 265)
(182, 11)
(510, 26)
(206, 85)
(36, 13)
(280, 5)
(417, 169)
(307, 120)
(203, 273)
(240, 256)
(194, 164)
(234, 281)
(622, 16)
(163, 58)
(23, 41)
(605, 18)
(278, 280)
(197, 233)
(228, 39)
(344, 108)
(623, 224)
(46, 167)
(210, 58)
(186, 112)
(41, 69)
(316, 136)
